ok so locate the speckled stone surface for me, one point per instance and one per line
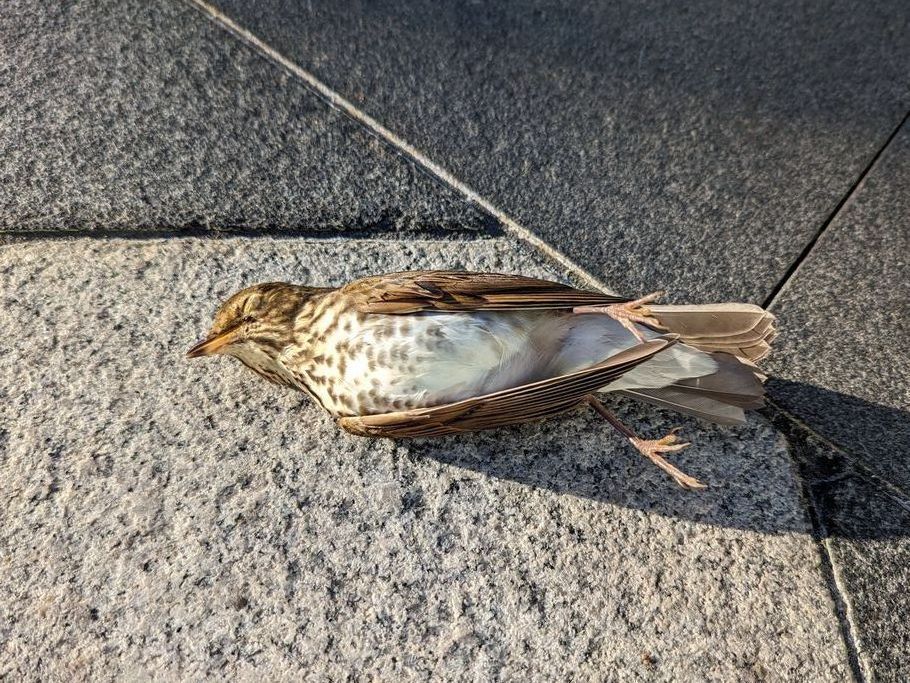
(865, 526)
(128, 115)
(691, 147)
(841, 360)
(840, 365)
(870, 550)
(180, 519)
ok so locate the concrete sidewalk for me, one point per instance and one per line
(180, 520)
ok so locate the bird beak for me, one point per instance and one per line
(212, 344)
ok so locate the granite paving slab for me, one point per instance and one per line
(865, 527)
(874, 572)
(695, 148)
(127, 115)
(168, 518)
(841, 358)
(840, 367)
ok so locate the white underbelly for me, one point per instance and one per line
(399, 362)
(384, 363)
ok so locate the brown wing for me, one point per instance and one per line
(509, 406)
(443, 290)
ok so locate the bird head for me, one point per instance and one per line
(256, 323)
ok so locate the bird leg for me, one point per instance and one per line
(628, 313)
(652, 449)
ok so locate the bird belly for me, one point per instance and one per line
(382, 363)
(376, 363)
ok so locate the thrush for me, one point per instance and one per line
(428, 353)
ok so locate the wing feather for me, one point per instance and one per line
(510, 406)
(441, 290)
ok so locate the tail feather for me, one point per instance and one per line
(711, 375)
(704, 407)
(743, 330)
(733, 377)
(735, 386)
(721, 397)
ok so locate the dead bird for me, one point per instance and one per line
(427, 353)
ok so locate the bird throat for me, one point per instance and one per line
(259, 361)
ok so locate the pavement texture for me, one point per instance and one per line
(137, 116)
(841, 366)
(844, 325)
(864, 526)
(662, 145)
(182, 520)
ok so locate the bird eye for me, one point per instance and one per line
(241, 316)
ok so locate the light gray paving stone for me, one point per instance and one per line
(840, 366)
(663, 145)
(183, 519)
(128, 115)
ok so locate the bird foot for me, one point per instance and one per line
(629, 313)
(654, 449)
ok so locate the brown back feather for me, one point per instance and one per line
(409, 292)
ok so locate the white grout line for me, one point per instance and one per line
(339, 102)
(853, 632)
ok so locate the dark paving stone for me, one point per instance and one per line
(874, 572)
(865, 527)
(841, 358)
(660, 144)
(130, 116)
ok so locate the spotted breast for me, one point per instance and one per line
(356, 363)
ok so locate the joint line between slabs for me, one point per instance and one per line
(794, 267)
(843, 612)
(839, 595)
(340, 103)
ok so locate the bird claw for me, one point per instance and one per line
(651, 448)
(629, 313)
(654, 449)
